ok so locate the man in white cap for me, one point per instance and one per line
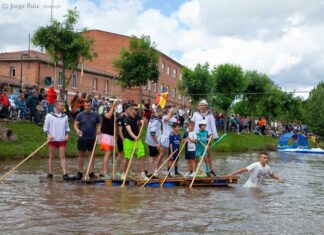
(204, 114)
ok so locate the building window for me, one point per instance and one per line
(174, 73)
(154, 87)
(161, 88)
(173, 92)
(162, 67)
(144, 87)
(12, 71)
(74, 80)
(60, 81)
(168, 70)
(167, 89)
(149, 85)
(180, 76)
(106, 87)
(94, 84)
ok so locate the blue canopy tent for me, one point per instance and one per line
(300, 141)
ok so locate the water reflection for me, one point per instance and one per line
(31, 205)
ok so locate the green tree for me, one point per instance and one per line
(314, 109)
(138, 64)
(195, 83)
(65, 44)
(229, 83)
(258, 85)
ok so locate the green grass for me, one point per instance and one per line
(30, 137)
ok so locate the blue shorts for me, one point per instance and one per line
(190, 155)
(174, 156)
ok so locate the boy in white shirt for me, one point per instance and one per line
(258, 171)
(190, 148)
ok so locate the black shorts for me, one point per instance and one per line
(174, 156)
(120, 145)
(85, 144)
(154, 152)
(190, 155)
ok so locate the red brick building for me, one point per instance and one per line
(36, 68)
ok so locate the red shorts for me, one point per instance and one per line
(57, 144)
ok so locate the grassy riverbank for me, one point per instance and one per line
(30, 136)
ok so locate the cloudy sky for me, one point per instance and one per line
(284, 39)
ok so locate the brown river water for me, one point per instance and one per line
(31, 205)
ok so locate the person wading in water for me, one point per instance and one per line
(258, 171)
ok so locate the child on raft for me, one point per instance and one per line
(202, 140)
(174, 145)
(190, 149)
(258, 171)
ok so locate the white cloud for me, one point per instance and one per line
(281, 38)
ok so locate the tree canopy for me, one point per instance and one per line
(64, 43)
(137, 64)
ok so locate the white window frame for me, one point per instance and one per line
(94, 84)
(154, 87)
(149, 85)
(168, 70)
(162, 67)
(161, 88)
(12, 71)
(180, 76)
(106, 86)
(60, 78)
(174, 93)
(174, 73)
(74, 80)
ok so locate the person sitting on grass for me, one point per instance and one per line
(174, 145)
(190, 149)
(258, 171)
(202, 141)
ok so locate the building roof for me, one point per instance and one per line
(42, 57)
(125, 36)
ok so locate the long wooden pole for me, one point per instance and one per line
(114, 149)
(157, 170)
(91, 157)
(22, 162)
(201, 160)
(131, 157)
(174, 162)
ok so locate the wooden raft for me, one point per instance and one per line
(220, 181)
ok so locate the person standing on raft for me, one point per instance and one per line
(204, 114)
(258, 171)
(57, 129)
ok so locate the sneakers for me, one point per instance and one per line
(177, 174)
(156, 174)
(143, 176)
(153, 177)
(212, 173)
(106, 176)
(187, 174)
(208, 174)
(123, 176)
(92, 176)
(118, 174)
(50, 176)
(67, 177)
(79, 176)
(191, 175)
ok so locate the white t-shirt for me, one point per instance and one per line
(191, 145)
(257, 172)
(167, 125)
(154, 126)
